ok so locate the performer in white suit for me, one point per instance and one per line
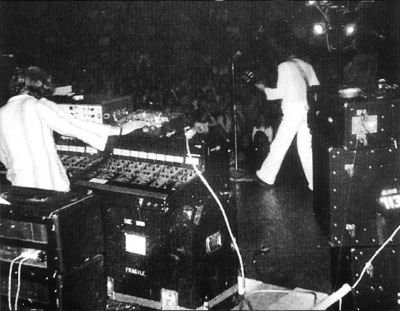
(292, 89)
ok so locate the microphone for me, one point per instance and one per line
(262, 250)
(237, 54)
(380, 36)
(191, 132)
(260, 30)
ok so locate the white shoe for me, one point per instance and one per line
(263, 179)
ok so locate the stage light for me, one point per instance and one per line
(325, 2)
(319, 29)
(350, 29)
(310, 3)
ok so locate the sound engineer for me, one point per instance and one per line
(27, 122)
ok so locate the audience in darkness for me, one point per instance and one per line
(203, 96)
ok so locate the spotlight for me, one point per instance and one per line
(319, 29)
(310, 3)
(350, 29)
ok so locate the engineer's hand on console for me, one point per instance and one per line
(131, 126)
(260, 86)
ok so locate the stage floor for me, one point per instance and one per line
(281, 220)
(258, 296)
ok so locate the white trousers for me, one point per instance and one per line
(293, 122)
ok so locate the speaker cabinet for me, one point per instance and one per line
(348, 187)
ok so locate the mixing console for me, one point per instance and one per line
(77, 164)
(135, 172)
(77, 157)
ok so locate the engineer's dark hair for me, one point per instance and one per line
(33, 80)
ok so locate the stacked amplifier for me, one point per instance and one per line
(356, 178)
(51, 250)
(166, 238)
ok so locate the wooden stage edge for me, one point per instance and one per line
(257, 296)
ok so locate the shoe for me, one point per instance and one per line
(263, 183)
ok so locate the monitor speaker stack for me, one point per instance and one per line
(356, 195)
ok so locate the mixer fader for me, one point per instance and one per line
(76, 164)
(126, 172)
(77, 158)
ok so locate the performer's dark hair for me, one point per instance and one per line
(33, 80)
(290, 49)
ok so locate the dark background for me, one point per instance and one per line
(72, 38)
(79, 41)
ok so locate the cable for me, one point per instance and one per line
(345, 289)
(19, 281)
(9, 280)
(345, 215)
(330, 300)
(329, 46)
(368, 264)
(324, 14)
(223, 214)
(248, 304)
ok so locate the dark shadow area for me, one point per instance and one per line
(281, 222)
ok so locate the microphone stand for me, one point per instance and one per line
(236, 173)
(239, 173)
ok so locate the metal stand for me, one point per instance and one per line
(237, 173)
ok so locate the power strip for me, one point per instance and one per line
(31, 254)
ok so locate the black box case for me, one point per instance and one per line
(66, 230)
(348, 185)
